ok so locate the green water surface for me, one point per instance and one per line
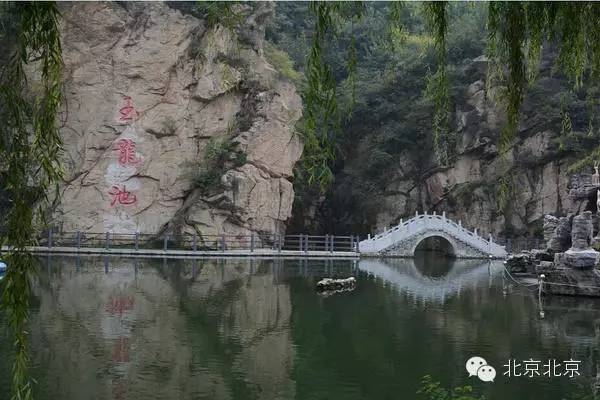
(116, 328)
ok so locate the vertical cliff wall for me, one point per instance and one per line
(147, 89)
(372, 191)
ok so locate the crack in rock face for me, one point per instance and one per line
(146, 89)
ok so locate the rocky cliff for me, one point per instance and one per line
(467, 188)
(147, 88)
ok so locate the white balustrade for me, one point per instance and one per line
(430, 222)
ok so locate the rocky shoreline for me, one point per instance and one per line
(569, 264)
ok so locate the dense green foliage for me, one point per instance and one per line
(399, 92)
(219, 12)
(219, 155)
(517, 31)
(395, 99)
(444, 143)
(434, 391)
(383, 55)
(8, 28)
(30, 148)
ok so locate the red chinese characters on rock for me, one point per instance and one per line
(127, 112)
(122, 196)
(120, 305)
(126, 149)
(120, 353)
(119, 389)
(126, 156)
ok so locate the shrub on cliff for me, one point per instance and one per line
(282, 62)
(219, 155)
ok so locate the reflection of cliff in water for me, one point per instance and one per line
(178, 329)
(576, 321)
(573, 318)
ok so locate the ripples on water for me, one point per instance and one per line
(114, 328)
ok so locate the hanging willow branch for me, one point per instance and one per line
(30, 151)
(322, 117)
(517, 31)
(320, 99)
(444, 142)
(516, 34)
(354, 14)
(507, 36)
(351, 68)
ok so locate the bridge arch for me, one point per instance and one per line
(438, 243)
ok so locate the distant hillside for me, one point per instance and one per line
(386, 169)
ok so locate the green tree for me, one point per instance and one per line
(517, 31)
(30, 148)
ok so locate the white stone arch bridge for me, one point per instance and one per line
(403, 239)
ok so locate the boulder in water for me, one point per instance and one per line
(521, 263)
(336, 284)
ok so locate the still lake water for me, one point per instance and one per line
(116, 328)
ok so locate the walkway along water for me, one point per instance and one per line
(399, 241)
(187, 245)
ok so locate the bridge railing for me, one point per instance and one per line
(436, 221)
(425, 221)
(425, 218)
(198, 242)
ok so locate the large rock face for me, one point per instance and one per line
(467, 189)
(146, 88)
(468, 186)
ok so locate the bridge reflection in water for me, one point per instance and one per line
(432, 279)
